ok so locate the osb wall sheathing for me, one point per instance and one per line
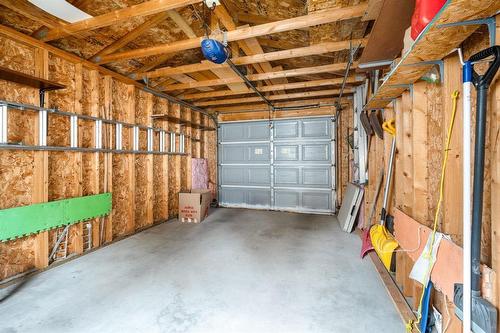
(174, 163)
(186, 160)
(91, 177)
(123, 167)
(72, 174)
(161, 184)
(344, 152)
(210, 153)
(16, 167)
(143, 163)
(195, 145)
(65, 168)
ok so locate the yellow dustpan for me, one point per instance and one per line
(383, 242)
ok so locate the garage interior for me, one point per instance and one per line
(249, 166)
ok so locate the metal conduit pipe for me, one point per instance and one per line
(250, 84)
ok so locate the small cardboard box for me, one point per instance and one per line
(193, 205)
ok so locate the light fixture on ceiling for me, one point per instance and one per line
(212, 3)
(61, 9)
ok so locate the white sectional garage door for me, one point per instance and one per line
(286, 166)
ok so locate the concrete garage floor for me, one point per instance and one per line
(239, 271)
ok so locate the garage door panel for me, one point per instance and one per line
(287, 167)
(233, 132)
(245, 175)
(233, 154)
(286, 129)
(284, 152)
(302, 176)
(258, 197)
(316, 152)
(232, 175)
(286, 176)
(258, 131)
(313, 177)
(317, 200)
(259, 153)
(259, 176)
(245, 153)
(233, 196)
(303, 200)
(245, 197)
(287, 199)
(316, 128)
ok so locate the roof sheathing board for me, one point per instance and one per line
(336, 31)
(167, 31)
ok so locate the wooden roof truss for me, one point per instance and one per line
(205, 83)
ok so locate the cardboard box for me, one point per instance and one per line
(193, 205)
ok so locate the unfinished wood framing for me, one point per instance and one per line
(244, 33)
(139, 182)
(296, 54)
(423, 114)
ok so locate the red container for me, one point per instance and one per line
(424, 12)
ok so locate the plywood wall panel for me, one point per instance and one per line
(211, 156)
(16, 183)
(17, 56)
(436, 136)
(186, 160)
(143, 164)
(63, 72)
(142, 190)
(161, 183)
(16, 167)
(174, 165)
(123, 99)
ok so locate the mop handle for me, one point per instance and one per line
(388, 126)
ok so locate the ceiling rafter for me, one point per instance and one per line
(257, 58)
(189, 32)
(186, 28)
(264, 76)
(316, 18)
(250, 46)
(143, 9)
(280, 97)
(259, 19)
(293, 85)
(263, 106)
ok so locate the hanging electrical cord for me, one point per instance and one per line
(440, 200)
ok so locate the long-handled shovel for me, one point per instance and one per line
(383, 242)
(467, 296)
(366, 245)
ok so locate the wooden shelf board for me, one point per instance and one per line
(28, 80)
(433, 44)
